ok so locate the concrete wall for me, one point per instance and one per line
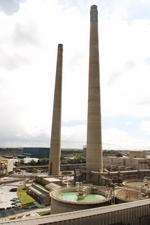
(136, 154)
(134, 213)
(122, 163)
(61, 207)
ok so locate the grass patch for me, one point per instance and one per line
(24, 198)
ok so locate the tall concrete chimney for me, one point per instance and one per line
(94, 142)
(55, 148)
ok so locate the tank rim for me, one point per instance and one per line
(53, 195)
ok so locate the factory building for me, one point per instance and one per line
(6, 166)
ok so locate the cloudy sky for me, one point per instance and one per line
(30, 32)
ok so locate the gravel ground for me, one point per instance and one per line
(6, 196)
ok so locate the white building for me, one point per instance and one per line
(6, 165)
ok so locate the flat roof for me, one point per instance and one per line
(37, 191)
(51, 179)
(40, 186)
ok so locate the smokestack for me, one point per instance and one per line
(55, 146)
(94, 142)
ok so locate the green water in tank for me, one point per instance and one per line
(73, 197)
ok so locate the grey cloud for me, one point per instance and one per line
(81, 4)
(113, 78)
(13, 61)
(136, 9)
(1, 81)
(12, 132)
(147, 60)
(10, 138)
(144, 102)
(73, 123)
(129, 65)
(10, 6)
(139, 10)
(25, 35)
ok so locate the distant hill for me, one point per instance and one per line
(37, 152)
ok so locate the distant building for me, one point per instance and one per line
(6, 166)
(136, 154)
(113, 163)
